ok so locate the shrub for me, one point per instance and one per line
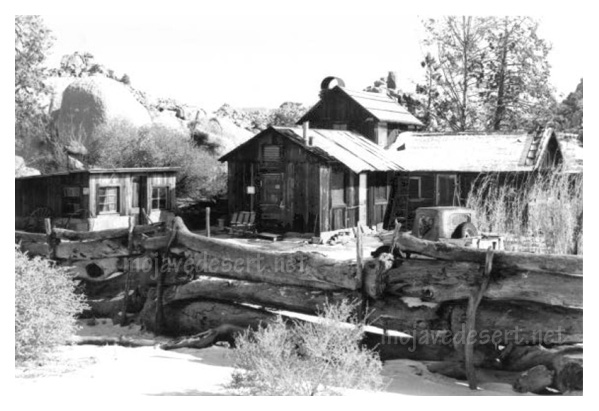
(45, 306)
(119, 144)
(542, 213)
(306, 358)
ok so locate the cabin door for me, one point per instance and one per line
(139, 198)
(271, 197)
(446, 189)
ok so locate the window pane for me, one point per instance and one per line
(108, 199)
(414, 188)
(338, 188)
(159, 198)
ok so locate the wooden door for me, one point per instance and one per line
(271, 196)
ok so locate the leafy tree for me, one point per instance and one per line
(517, 91)
(32, 41)
(486, 73)
(569, 113)
(288, 114)
(456, 77)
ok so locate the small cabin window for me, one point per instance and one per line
(338, 188)
(108, 199)
(159, 198)
(415, 188)
(71, 200)
(271, 153)
(380, 187)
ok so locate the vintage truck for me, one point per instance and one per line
(455, 225)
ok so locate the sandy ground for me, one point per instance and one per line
(114, 370)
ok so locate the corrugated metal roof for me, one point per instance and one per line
(383, 107)
(351, 149)
(465, 152)
(108, 171)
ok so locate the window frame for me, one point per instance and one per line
(117, 201)
(70, 198)
(419, 179)
(166, 199)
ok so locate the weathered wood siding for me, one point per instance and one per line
(48, 192)
(303, 175)
(33, 193)
(336, 110)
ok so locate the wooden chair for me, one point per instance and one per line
(243, 222)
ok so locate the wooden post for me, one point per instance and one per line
(359, 268)
(159, 316)
(128, 275)
(473, 302)
(50, 238)
(207, 221)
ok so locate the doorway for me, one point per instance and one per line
(446, 189)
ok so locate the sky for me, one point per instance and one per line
(213, 56)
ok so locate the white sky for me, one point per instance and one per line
(261, 59)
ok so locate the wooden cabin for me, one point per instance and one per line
(309, 180)
(439, 169)
(97, 199)
(375, 116)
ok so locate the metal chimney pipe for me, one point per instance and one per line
(306, 127)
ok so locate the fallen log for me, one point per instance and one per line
(35, 249)
(198, 316)
(502, 260)
(524, 357)
(223, 333)
(30, 237)
(89, 250)
(309, 269)
(521, 323)
(442, 281)
(108, 234)
(535, 380)
(121, 341)
(299, 299)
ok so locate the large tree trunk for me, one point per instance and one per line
(198, 316)
(442, 281)
(299, 299)
(503, 261)
(309, 269)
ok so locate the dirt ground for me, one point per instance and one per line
(114, 371)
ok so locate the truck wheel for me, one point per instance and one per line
(466, 230)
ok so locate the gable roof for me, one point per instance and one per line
(380, 106)
(105, 171)
(470, 152)
(346, 147)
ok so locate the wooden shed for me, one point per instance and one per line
(376, 116)
(439, 168)
(96, 199)
(310, 180)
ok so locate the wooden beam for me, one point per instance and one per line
(299, 299)
(443, 281)
(503, 260)
(309, 269)
(30, 237)
(107, 234)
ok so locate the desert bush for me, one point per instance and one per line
(540, 213)
(45, 306)
(306, 358)
(118, 144)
